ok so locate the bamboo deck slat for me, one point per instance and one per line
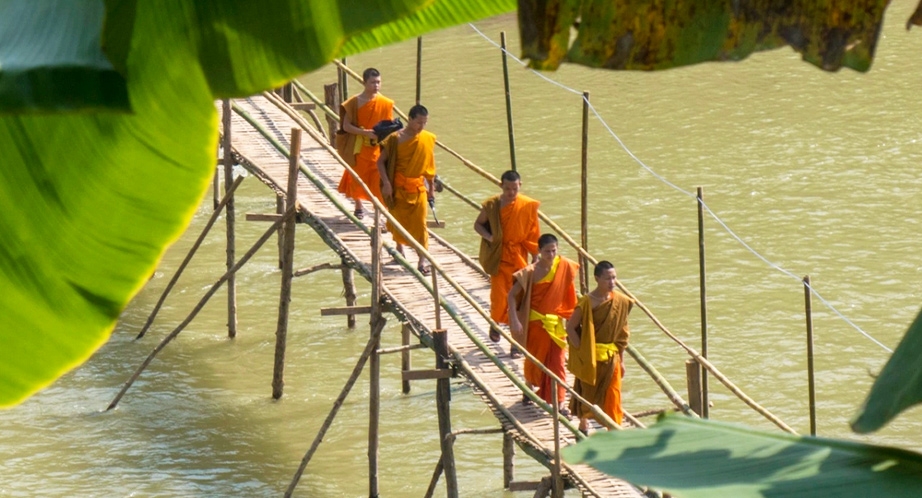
(404, 290)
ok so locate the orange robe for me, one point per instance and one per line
(366, 150)
(409, 165)
(515, 236)
(553, 295)
(604, 333)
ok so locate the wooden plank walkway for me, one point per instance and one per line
(529, 426)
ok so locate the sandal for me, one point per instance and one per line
(514, 353)
(359, 213)
(424, 270)
(494, 334)
(526, 400)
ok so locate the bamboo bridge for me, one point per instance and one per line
(446, 311)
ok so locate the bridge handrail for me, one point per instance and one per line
(601, 416)
(692, 352)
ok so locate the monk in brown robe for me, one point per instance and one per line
(356, 140)
(541, 298)
(598, 334)
(407, 169)
(508, 227)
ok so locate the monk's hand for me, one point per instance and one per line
(574, 341)
(386, 191)
(515, 326)
(621, 365)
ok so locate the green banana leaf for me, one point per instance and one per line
(39, 72)
(89, 201)
(692, 458)
(645, 35)
(899, 385)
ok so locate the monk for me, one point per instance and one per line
(598, 334)
(356, 140)
(508, 227)
(407, 169)
(542, 295)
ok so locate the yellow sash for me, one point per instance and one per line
(605, 351)
(552, 323)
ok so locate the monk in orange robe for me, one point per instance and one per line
(407, 169)
(598, 334)
(508, 227)
(542, 296)
(356, 140)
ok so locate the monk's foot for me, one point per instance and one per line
(359, 213)
(563, 410)
(526, 400)
(584, 430)
(495, 336)
(400, 250)
(514, 353)
(423, 268)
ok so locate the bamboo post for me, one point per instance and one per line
(287, 94)
(348, 291)
(374, 405)
(502, 38)
(555, 469)
(229, 217)
(291, 203)
(201, 304)
(188, 258)
(435, 299)
(443, 405)
(215, 185)
(331, 100)
(584, 198)
(439, 468)
(343, 83)
(702, 278)
(693, 379)
(369, 351)
(280, 208)
(508, 459)
(405, 356)
(808, 304)
(419, 67)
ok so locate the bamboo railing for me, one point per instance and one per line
(661, 382)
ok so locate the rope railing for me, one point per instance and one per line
(686, 193)
(591, 259)
(600, 415)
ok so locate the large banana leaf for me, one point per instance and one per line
(640, 34)
(899, 385)
(693, 458)
(39, 72)
(88, 202)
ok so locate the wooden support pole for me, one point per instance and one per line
(201, 304)
(443, 405)
(545, 487)
(280, 208)
(348, 291)
(508, 459)
(439, 468)
(405, 357)
(702, 277)
(584, 198)
(693, 378)
(419, 67)
(368, 352)
(557, 491)
(343, 83)
(374, 405)
(331, 100)
(188, 258)
(287, 94)
(215, 185)
(502, 38)
(808, 304)
(288, 252)
(229, 216)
